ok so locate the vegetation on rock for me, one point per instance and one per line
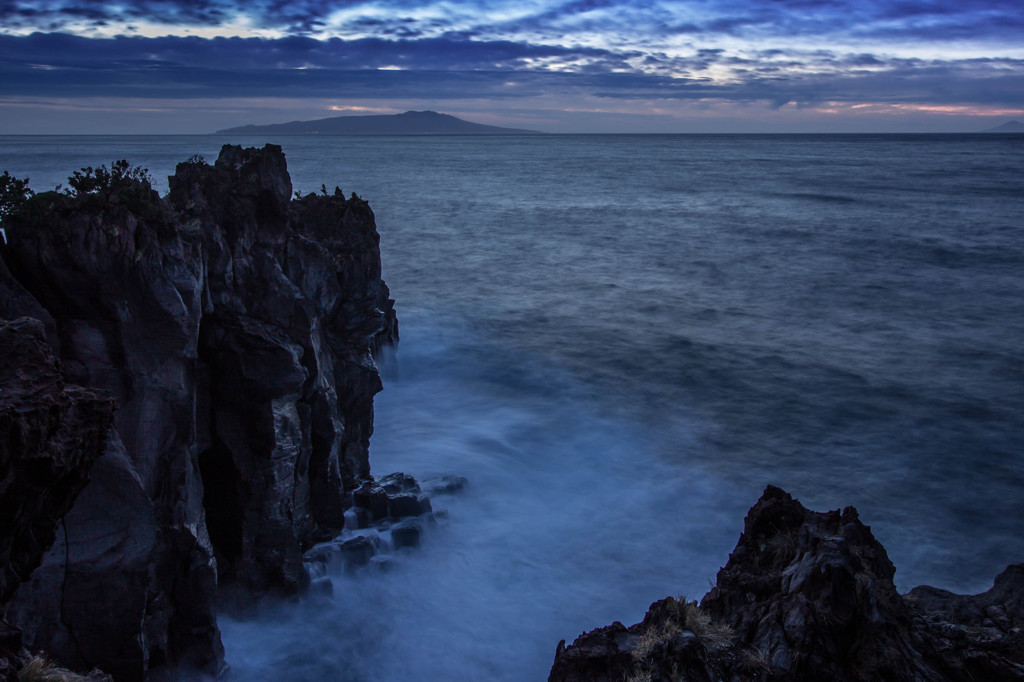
(14, 192)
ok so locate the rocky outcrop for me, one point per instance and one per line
(50, 435)
(978, 637)
(809, 596)
(235, 328)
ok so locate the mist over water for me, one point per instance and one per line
(564, 522)
(620, 341)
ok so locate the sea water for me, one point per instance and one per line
(620, 340)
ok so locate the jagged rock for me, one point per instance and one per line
(980, 637)
(809, 596)
(13, 654)
(50, 436)
(398, 482)
(407, 535)
(235, 328)
(445, 485)
(107, 557)
(407, 504)
(321, 588)
(601, 654)
(349, 554)
(16, 302)
(373, 498)
(359, 550)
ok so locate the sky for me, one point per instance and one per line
(564, 66)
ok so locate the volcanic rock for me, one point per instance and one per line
(407, 504)
(398, 482)
(448, 484)
(405, 535)
(809, 596)
(50, 436)
(235, 328)
(372, 498)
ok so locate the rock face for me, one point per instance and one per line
(809, 596)
(50, 435)
(235, 328)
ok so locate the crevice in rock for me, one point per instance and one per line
(223, 505)
(326, 489)
(63, 592)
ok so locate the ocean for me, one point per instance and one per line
(620, 340)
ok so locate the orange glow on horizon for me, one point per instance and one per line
(899, 109)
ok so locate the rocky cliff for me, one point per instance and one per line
(50, 436)
(804, 597)
(234, 327)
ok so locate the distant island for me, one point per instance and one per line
(409, 123)
(1008, 127)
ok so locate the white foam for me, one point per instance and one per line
(569, 521)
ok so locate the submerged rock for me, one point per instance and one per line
(405, 535)
(399, 518)
(448, 484)
(398, 482)
(809, 596)
(407, 504)
(373, 499)
(235, 328)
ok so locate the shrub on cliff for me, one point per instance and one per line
(121, 183)
(104, 196)
(121, 175)
(112, 190)
(13, 194)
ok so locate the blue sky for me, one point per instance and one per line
(193, 66)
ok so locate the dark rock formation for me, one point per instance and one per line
(50, 435)
(978, 637)
(809, 596)
(235, 328)
(388, 515)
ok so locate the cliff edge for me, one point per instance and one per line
(234, 327)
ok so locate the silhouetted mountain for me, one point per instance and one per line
(1008, 127)
(409, 123)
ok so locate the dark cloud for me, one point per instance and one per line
(58, 64)
(979, 82)
(943, 8)
(640, 20)
(204, 12)
(957, 28)
(826, 20)
(265, 55)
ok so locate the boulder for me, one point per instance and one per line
(448, 484)
(407, 504)
(371, 497)
(405, 535)
(358, 551)
(398, 482)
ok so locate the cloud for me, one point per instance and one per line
(280, 55)
(53, 64)
(639, 22)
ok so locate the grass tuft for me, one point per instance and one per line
(41, 670)
(714, 636)
(654, 636)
